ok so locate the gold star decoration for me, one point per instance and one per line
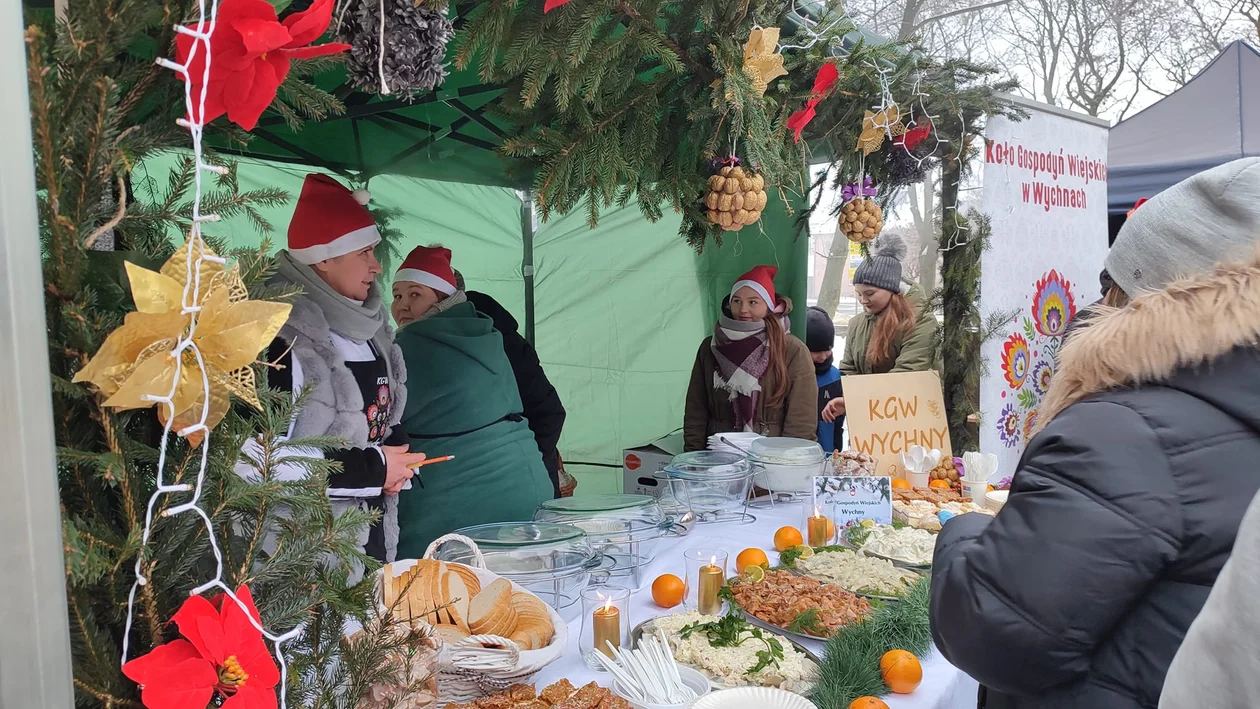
(762, 63)
(136, 361)
(876, 126)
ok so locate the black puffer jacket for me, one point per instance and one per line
(1123, 509)
(543, 409)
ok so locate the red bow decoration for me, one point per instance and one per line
(250, 52)
(553, 4)
(1137, 204)
(224, 654)
(823, 81)
(912, 137)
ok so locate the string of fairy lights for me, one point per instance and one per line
(822, 31)
(197, 254)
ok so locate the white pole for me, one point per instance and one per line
(34, 629)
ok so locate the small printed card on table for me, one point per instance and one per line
(851, 499)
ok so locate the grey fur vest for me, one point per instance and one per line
(334, 405)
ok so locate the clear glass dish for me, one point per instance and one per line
(621, 527)
(707, 482)
(554, 561)
(787, 464)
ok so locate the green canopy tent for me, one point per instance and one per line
(616, 312)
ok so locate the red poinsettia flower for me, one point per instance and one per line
(250, 52)
(223, 653)
(823, 81)
(911, 138)
(553, 4)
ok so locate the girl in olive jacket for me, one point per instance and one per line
(897, 333)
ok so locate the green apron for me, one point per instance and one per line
(462, 401)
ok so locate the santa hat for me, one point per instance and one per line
(330, 221)
(429, 266)
(761, 280)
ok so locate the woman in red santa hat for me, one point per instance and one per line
(752, 375)
(464, 402)
(338, 345)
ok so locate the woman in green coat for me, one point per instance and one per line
(897, 333)
(462, 401)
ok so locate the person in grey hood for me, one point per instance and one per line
(338, 346)
(1125, 506)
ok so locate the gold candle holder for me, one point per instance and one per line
(605, 621)
(711, 580)
(818, 529)
(606, 627)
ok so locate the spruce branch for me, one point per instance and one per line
(115, 220)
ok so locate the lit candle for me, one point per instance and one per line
(606, 626)
(818, 532)
(710, 583)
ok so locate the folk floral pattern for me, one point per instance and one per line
(1030, 353)
(1009, 428)
(1041, 377)
(1053, 305)
(1015, 360)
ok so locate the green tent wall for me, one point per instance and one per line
(619, 310)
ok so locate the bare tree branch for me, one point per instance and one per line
(955, 13)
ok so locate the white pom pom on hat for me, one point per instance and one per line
(362, 196)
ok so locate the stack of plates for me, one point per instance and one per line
(734, 443)
(753, 698)
(994, 500)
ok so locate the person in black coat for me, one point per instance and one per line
(1124, 508)
(542, 407)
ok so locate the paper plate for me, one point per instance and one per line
(753, 698)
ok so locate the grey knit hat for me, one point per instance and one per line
(883, 268)
(1188, 228)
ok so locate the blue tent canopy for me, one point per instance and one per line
(1213, 119)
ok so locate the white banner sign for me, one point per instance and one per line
(1045, 190)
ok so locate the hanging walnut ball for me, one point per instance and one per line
(735, 198)
(861, 220)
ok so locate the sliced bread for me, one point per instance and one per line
(491, 612)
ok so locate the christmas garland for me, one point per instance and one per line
(850, 667)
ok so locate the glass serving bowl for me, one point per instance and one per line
(624, 528)
(554, 561)
(786, 464)
(708, 483)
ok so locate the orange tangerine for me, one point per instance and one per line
(667, 590)
(787, 537)
(900, 484)
(901, 671)
(751, 557)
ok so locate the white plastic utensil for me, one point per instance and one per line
(932, 459)
(978, 467)
(648, 673)
(913, 459)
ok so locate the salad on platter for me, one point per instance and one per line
(863, 575)
(735, 653)
(898, 543)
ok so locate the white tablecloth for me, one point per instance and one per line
(943, 687)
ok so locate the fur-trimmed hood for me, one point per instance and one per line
(1188, 324)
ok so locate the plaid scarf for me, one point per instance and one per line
(743, 356)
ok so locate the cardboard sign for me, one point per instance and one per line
(849, 500)
(888, 413)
